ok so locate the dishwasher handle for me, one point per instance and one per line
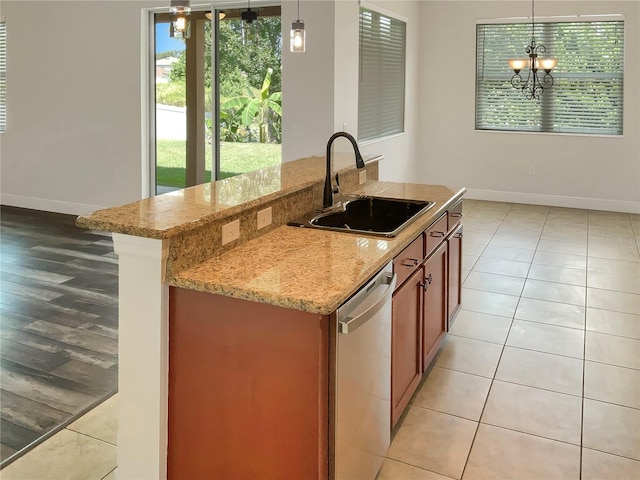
(349, 324)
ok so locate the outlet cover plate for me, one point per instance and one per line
(265, 217)
(230, 231)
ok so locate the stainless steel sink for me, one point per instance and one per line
(384, 217)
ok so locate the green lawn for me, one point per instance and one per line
(235, 158)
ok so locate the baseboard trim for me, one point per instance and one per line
(46, 205)
(554, 200)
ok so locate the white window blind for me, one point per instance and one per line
(382, 71)
(3, 76)
(587, 96)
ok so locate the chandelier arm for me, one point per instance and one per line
(525, 86)
(516, 80)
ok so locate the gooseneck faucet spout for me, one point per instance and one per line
(327, 201)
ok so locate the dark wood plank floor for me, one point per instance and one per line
(58, 324)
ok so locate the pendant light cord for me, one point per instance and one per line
(533, 17)
(298, 10)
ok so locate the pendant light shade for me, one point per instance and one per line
(298, 34)
(180, 26)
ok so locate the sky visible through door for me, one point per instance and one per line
(249, 84)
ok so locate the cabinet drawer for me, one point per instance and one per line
(435, 235)
(408, 260)
(454, 215)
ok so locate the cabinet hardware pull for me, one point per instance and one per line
(455, 214)
(414, 262)
(427, 282)
(436, 234)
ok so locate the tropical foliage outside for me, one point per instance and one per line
(250, 99)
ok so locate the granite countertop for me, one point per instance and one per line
(300, 268)
(308, 269)
(171, 214)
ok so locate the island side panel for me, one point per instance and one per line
(248, 389)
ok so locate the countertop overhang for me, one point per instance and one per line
(172, 214)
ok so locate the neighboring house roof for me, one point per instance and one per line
(166, 62)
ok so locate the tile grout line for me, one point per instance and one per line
(475, 434)
(584, 351)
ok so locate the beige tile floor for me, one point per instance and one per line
(538, 379)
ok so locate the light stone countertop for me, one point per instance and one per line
(300, 268)
(171, 214)
(308, 269)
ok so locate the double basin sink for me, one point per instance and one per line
(384, 217)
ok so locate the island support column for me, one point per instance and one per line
(143, 354)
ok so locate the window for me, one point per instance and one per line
(3, 76)
(587, 96)
(382, 63)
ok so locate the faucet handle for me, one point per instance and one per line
(336, 189)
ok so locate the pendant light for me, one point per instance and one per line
(249, 16)
(298, 34)
(534, 86)
(180, 26)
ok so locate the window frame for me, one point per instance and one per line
(380, 133)
(522, 128)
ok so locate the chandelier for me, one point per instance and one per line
(533, 87)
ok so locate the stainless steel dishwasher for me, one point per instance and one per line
(363, 379)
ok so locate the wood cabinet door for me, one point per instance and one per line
(406, 354)
(248, 390)
(455, 274)
(435, 303)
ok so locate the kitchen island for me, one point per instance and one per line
(175, 274)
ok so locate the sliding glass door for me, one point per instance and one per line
(217, 97)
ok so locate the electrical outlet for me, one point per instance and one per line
(230, 232)
(265, 217)
(532, 170)
(362, 177)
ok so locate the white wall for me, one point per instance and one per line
(73, 138)
(321, 86)
(400, 152)
(583, 171)
(307, 81)
(74, 142)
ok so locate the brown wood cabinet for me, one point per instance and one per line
(455, 274)
(425, 303)
(434, 303)
(248, 389)
(406, 342)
